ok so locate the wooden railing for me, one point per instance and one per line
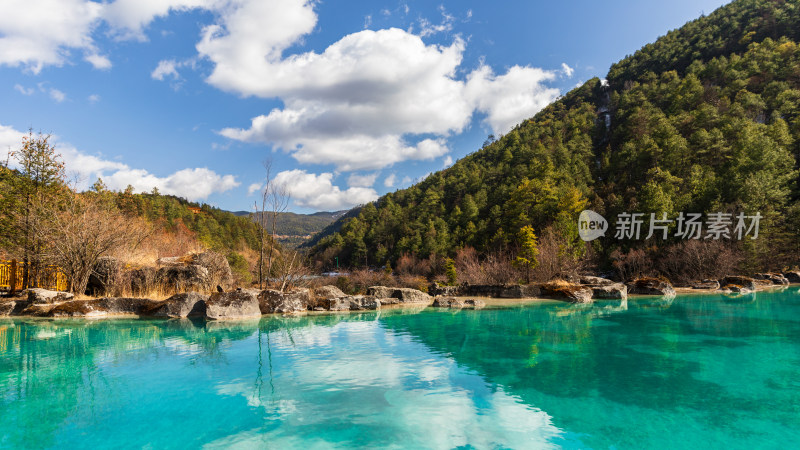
(47, 277)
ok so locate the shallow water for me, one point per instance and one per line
(710, 371)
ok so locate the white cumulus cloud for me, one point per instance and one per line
(165, 69)
(365, 180)
(368, 99)
(57, 95)
(128, 18)
(568, 71)
(509, 98)
(37, 33)
(318, 191)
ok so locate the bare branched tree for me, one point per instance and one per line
(80, 230)
(274, 200)
(290, 271)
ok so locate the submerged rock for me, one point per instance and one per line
(651, 286)
(239, 304)
(179, 306)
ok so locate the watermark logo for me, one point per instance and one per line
(632, 226)
(591, 225)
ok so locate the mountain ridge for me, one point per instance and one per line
(703, 119)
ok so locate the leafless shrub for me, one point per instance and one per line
(694, 260)
(358, 281)
(634, 263)
(412, 265)
(499, 270)
(413, 282)
(468, 267)
(80, 230)
(556, 257)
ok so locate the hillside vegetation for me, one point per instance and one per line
(706, 119)
(293, 230)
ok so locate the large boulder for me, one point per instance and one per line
(185, 277)
(124, 305)
(439, 289)
(239, 304)
(405, 295)
(7, 307)
(334, 304)
(735, 288)
(595, 281)
(329, 291)
(219, 271)
(612, 291)
(735, 280)
(77, 308)
(380, 291)
(792, 277)
(45, 296)
(519, 291)
(572, 293)
(179, 306)
(271, 301)
(774, 278)
(143, 280)
(706, 284)
(651, 286)
(361, 302)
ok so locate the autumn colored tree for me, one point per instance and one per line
(527, 256)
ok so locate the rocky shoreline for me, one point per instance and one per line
(251, 303)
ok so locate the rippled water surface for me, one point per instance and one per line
(697, 371)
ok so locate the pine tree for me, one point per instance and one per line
(527, 257)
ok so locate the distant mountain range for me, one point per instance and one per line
(294, 229)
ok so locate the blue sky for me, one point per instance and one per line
(350, 99)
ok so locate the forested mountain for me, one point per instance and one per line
(706, 119)
(294, 229)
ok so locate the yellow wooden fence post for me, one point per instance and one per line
(12, 278)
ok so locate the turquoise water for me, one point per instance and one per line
(699, 371)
